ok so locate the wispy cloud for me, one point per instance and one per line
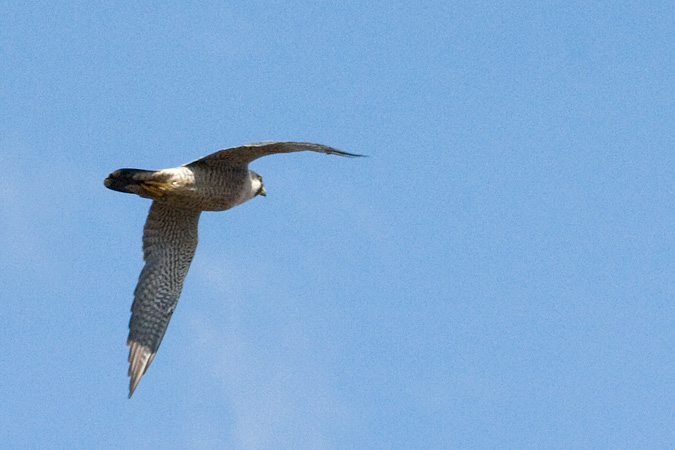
(280, 395)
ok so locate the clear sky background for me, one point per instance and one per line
(499, 273)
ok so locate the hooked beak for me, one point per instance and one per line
(262, 192)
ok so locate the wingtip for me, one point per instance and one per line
(133, 382)
(355, 155)
(140, 358)
(324, 149)
(347, 154)
(132, 386)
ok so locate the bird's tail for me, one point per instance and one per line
(128, 180)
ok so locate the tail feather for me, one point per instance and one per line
(127, 180)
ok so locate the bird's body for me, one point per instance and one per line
(216, 182)
(199, 188)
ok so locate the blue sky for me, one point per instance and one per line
(497, 274)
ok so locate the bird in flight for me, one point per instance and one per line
(215, 182)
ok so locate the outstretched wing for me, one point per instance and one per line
(169, 243)
(244, 154)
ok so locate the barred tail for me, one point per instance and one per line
(127, 180)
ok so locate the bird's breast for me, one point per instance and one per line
(211, 190)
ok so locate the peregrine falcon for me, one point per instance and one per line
(215, 182)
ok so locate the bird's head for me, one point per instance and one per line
(257, 184)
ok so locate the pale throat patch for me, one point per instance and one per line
(256, 184)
